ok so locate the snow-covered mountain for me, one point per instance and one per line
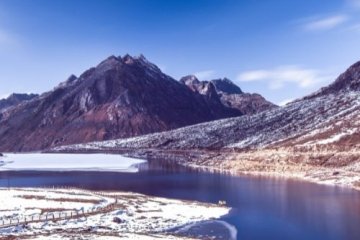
(329, 118)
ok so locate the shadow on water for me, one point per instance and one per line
(263, 208)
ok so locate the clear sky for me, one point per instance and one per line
(279, 48)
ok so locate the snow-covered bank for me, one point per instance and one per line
(92, 236)
(69, 162)
(133, 213)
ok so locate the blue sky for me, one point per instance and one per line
(279, 48)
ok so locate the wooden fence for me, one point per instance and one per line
(63, 215)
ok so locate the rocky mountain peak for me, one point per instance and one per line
(225, 85)
(109, 63)
(189, 80)
(15, 99)
(21, 96)
(224, 91)
(142, 58)
(71, 78)
(347, 81)
(140, 61)
(128, 59)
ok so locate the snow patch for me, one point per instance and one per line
(69, 162)
(336, 137)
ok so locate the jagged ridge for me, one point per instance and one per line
(229, 94)
(15, 99)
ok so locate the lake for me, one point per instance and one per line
(263, 208)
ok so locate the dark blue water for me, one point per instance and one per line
(263, 208)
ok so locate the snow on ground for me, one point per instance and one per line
(132, 236)
(16, 203)
(135, 213)
(69, 162)
(336, 137)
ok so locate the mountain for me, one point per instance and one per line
(121, 97)
(229, 94)
(15, 99)
(327, 119)
(316, 138)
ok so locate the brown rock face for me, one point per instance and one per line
(229, 94)
(121, 97)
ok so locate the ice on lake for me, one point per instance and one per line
(68, 162)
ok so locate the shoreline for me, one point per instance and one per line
(317, 175)
(278, 163)
(285, 176)
(283, 163)
(37, 212)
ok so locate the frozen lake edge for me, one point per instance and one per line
(68, 162)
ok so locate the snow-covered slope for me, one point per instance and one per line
(326, 118)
